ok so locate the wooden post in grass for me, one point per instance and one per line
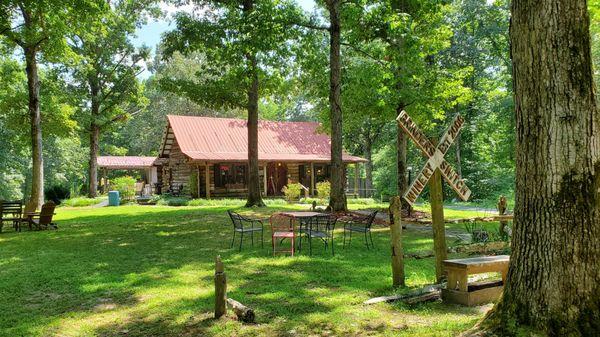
(220, 288)
(396, 244)
(436, 199)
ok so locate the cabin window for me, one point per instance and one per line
(230, 175)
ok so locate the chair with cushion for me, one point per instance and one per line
(319, 227)
(242, 225)
(360, 225)
(282, 227)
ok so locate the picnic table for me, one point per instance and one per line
(460, 291)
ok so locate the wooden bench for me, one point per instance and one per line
(460, 291)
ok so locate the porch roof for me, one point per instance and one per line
(226, 139)
(125, 162)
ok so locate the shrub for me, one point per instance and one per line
(57, 193)
(324, 190)
(193, 183)
(125, 185)
(81, 202)
(173, 201)
(309, 201)
(292, 192)
(362, 201)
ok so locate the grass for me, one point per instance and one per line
(148, 271)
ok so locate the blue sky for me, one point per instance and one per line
(150, 33)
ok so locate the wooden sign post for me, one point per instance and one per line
(435, 167)
(396, 244)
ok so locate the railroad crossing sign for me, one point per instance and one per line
(435, 157)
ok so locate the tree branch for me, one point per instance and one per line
(364, 53)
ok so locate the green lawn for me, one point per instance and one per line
(147, 271)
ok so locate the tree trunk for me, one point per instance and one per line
(401, 146)
(337, 197)
(94, 141)
(254, 197)
(33, 85)
(368, 151)
(458, 164)
(554, 273)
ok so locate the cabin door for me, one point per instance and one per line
(276, 178)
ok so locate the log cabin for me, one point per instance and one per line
(208, 157)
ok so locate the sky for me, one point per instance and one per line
(150, 33)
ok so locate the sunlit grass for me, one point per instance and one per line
(148, 271)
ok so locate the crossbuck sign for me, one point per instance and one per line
(435, 157)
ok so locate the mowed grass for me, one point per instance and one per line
(148, 271)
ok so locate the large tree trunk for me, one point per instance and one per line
(338, 197)
(554, 273)
(254, 197)
(33, 86)
(94, 141)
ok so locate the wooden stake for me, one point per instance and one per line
(220, 288)
(396, 244)
(436, 199)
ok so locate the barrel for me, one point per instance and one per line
(113, 198)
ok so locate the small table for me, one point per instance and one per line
(460, 291)
(303, 218)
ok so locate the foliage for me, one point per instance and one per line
(81, 202)
(125, 185)
(173, 201)
(292, 192)
(323, 189)
(57, 193)
(193, 184)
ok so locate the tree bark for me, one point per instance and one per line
(33, 85)
(368, 151)
(254, 196)
(553, 280)
(94, 140)
(401, 146)
(337, 199)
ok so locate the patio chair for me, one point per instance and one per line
(282, 227)
(360, 225)
(43, 218)
(242, 224)
(320, 227)
(10, 211)
(28, 210)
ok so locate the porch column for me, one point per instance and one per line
(207, 180)
(312, 179)
(265, 178)
(356, 171)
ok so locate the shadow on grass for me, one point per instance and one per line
(123, 271)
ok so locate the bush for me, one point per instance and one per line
(292, 192)
(193, 183)
(57, 193)
(309, 201)
(324, 190)
(125, 185)
(81, 202)
(217, 202)
(173, 201)
(362, 201)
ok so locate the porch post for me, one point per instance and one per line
(105, 188)
(312, 179)
(356, 171)
(207, 180)
(265, 178)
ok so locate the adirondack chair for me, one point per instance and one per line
(43, 219)
(28, 211)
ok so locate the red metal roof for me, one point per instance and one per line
(226, 139)
(125, 162)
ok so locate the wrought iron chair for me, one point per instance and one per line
(242, 224)
(282, 227)
(360, 225)
(320, 227)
